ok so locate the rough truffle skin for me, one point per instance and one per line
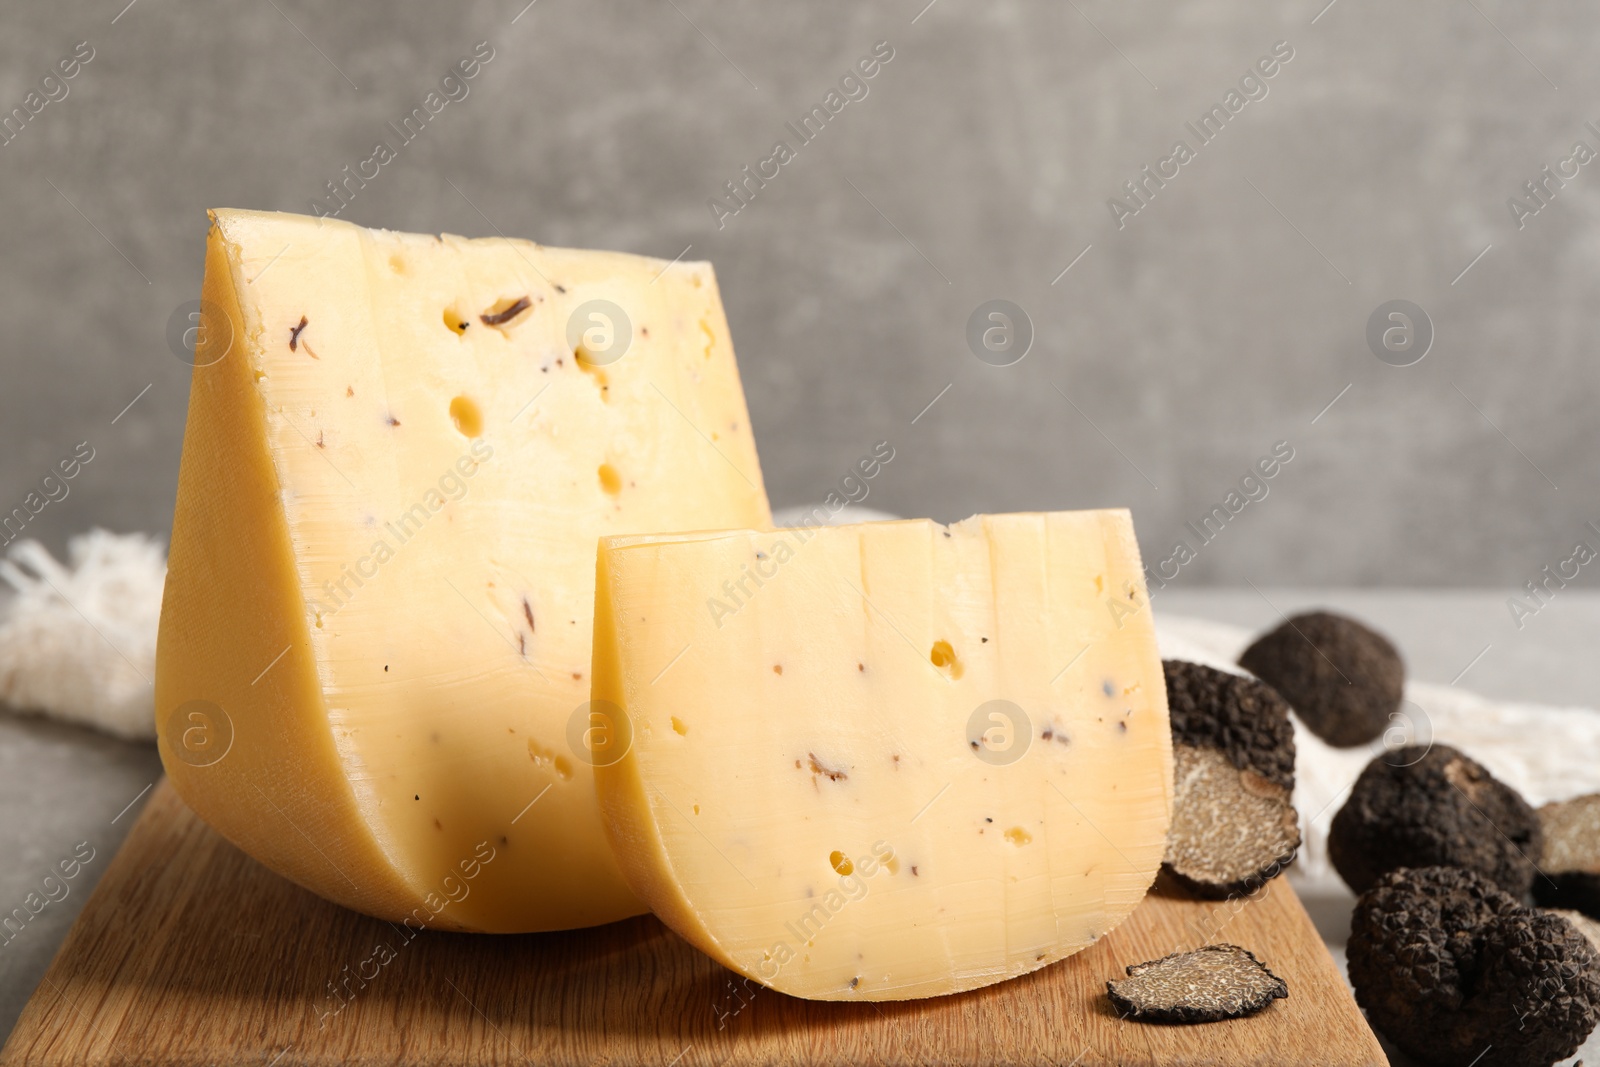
(1240, 716)
(1447, 966)
(1418, 806)
(1581, 923)
(1343, 679)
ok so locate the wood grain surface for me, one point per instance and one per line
(191, 953)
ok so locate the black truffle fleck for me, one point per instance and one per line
(1421, 806)
(1343, 679)
(1570, 859)
(1204, 986)
(509, 312)
(1454, 970)
(1234, 826)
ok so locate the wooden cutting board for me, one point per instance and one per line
(191, 953)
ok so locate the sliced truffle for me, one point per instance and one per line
(1421, 806)
(1232, 830)
(1569, 868)
(1204, 986)
(1454, 970)
(1343, 679)
(1234, 825)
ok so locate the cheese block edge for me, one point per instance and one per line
(629, 807)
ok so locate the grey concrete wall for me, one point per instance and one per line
(1222, 317)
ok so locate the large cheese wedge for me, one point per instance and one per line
(400, 453)
(889, 760)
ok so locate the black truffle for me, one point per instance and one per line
(1343, 679)
(1204, 986)
(1232, 831)
(1581, 923)
(1234, 825)
(1247, 721)
(1421, 806)
(1570, 865)
(1455, 971)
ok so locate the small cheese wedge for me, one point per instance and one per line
(889, 760)
(400, 453)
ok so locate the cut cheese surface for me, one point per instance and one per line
(400, 453)
(889, 760)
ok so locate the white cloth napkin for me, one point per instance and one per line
(78, 641)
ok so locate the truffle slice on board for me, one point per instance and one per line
(1234, 826)
(1569, 870)
(1342, 678)
(1204, 986)
(1427, 806)
(1454, 970)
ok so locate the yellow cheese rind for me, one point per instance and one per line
(382, 562)
(815, 792)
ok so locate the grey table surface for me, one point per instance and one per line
(60, 786)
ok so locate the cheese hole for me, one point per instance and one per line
(595, 373)
(467, 416)
(944, 657)
(397, 263)
(1019, 837)
(840, 862)
(545, 758)
(456, 322)
(610, 480)
(680, 726)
